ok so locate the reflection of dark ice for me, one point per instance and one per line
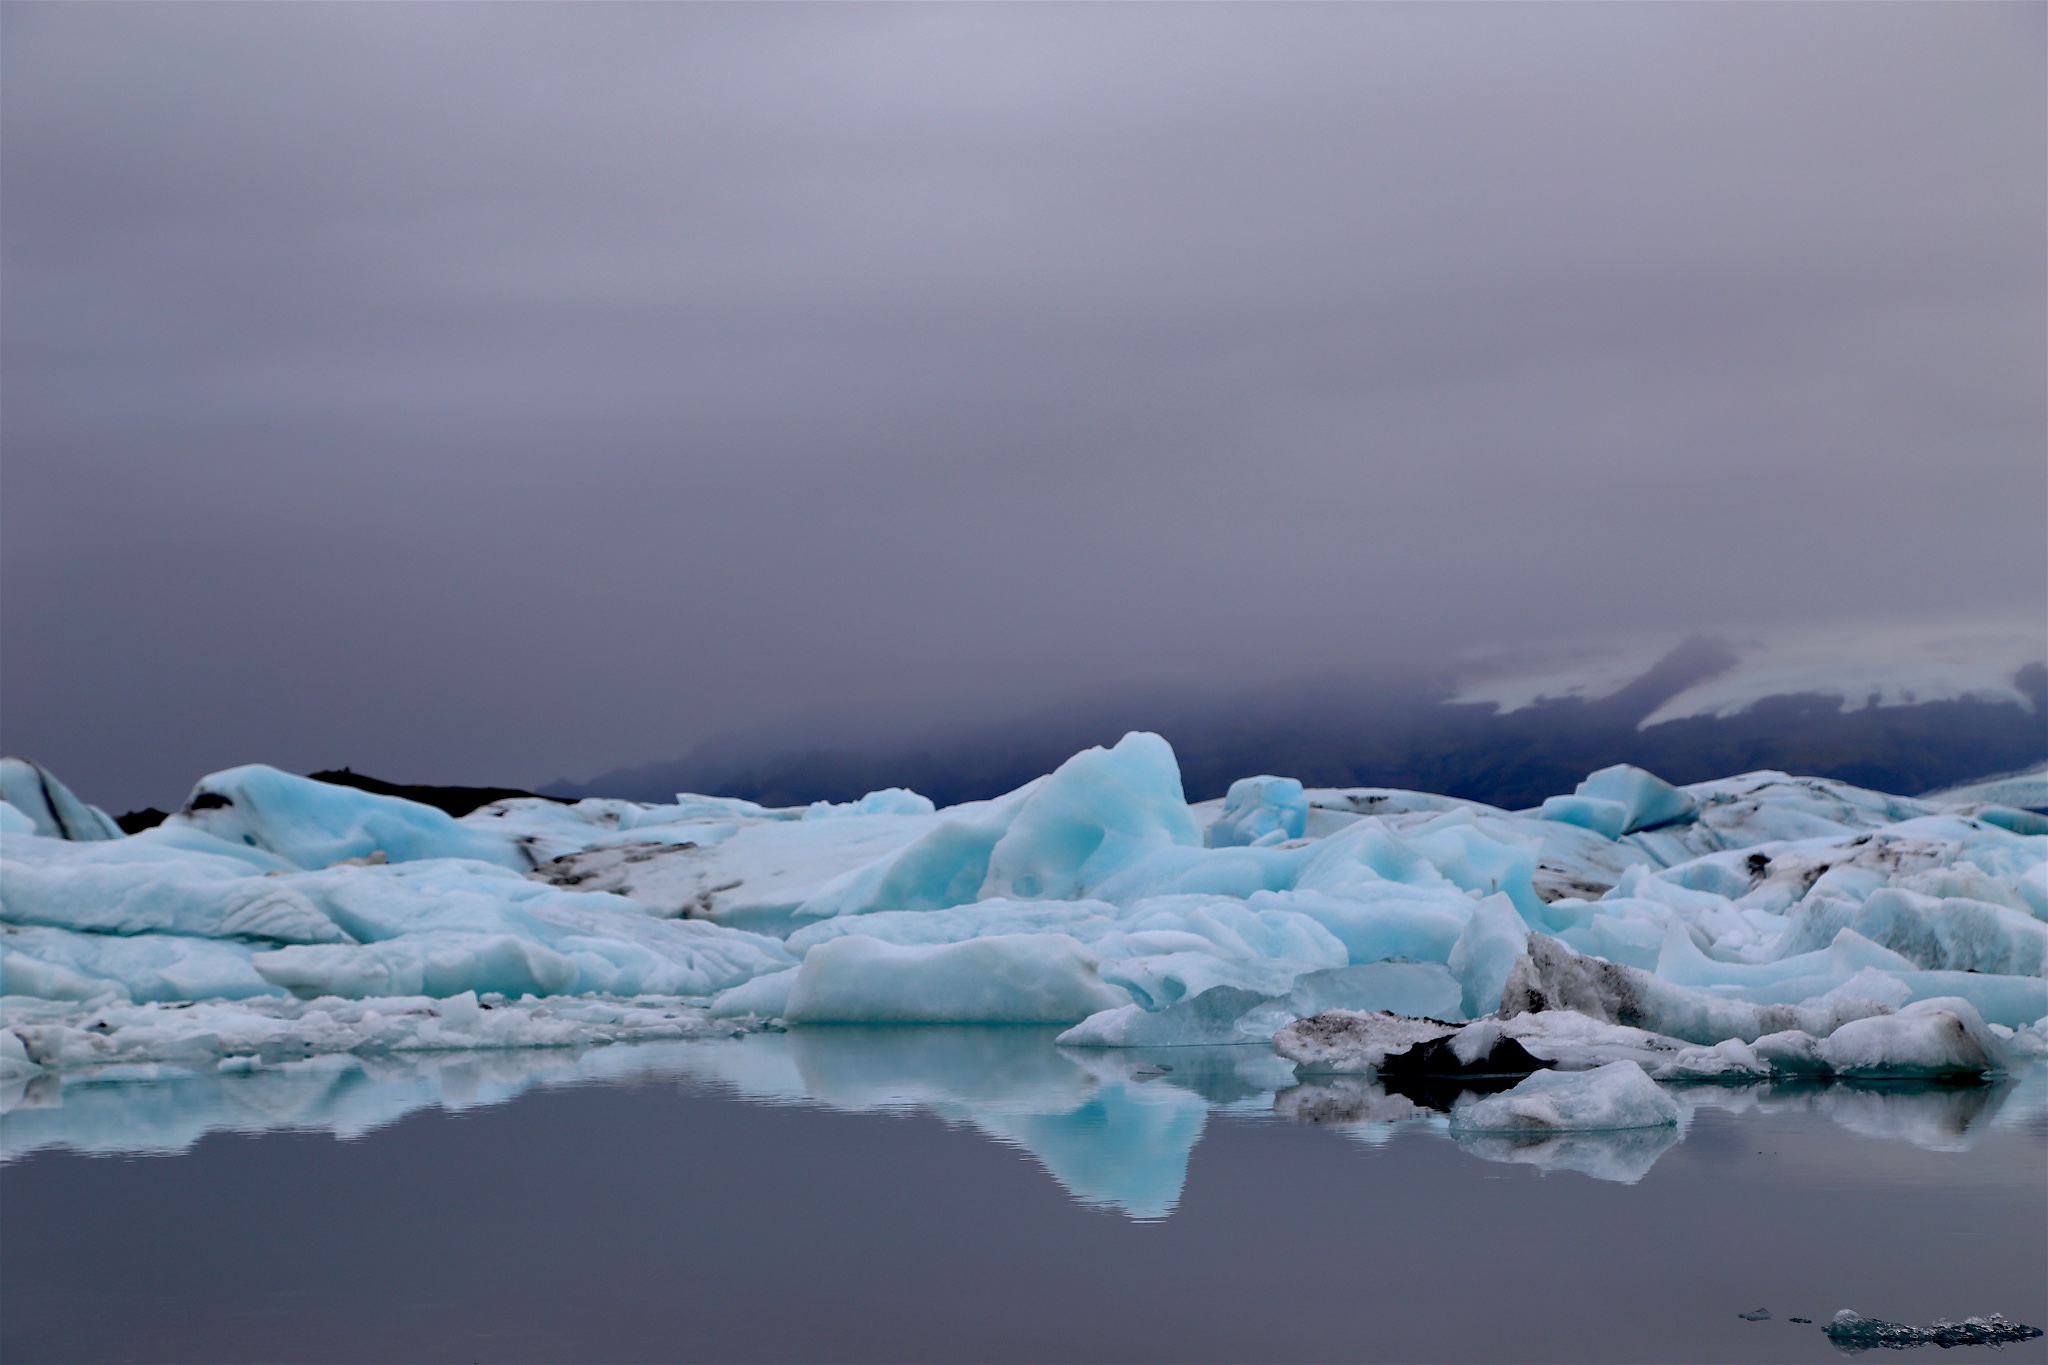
(1344, 1100)
(1623, 1155)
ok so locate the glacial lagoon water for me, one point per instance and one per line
(981, 1194)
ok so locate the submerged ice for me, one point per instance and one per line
(1760, 926)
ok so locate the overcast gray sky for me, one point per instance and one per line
(493, 393)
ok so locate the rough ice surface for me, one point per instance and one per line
(148, 1041)
(1353, 1042)
(1751, 929)
(1850, 1331)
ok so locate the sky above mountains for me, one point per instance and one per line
(494, 393)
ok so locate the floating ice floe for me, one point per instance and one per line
(1760, 926)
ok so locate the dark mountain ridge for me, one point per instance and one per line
(1395, 731)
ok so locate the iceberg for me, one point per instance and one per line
(1098, 813)
(317, 824)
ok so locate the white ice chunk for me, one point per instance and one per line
(1616, 1096)
(1940, 1037)
(1571, 1041)
(1728, 1061)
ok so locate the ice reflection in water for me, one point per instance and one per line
(1114, 1128)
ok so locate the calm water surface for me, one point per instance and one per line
(979, 1194)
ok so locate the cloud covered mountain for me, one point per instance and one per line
(1503, 739)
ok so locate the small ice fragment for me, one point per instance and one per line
(1760, 1315)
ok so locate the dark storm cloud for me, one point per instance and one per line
(487, 393)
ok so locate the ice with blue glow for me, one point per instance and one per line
(1747, 913)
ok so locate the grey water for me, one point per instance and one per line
(981, 1194)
